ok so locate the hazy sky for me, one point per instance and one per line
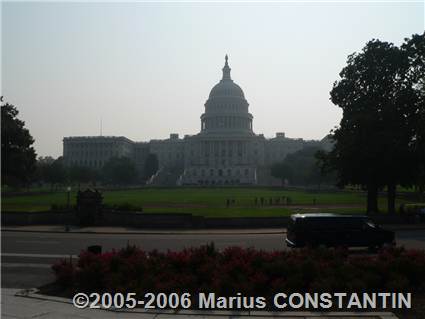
(146, 69)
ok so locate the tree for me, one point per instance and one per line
(151, 166)
(372, 145)
(41, 164)
(119, 171)
(301, 168)
(45, 160)
(415, 51)
(18, 155)
(81, 174)
(303, 164)
(54, 173)
(282, 171)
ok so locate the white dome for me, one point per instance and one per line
(226, 88)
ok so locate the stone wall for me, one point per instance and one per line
(141, 220)
(38, 218)
(167, 221)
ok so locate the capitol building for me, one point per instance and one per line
(226, 151)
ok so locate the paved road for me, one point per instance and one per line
(26, 256)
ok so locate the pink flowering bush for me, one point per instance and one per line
(248, 271)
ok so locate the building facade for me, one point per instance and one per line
(225, 152)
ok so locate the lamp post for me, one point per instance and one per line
(68, 197)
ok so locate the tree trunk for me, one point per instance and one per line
(372, 199)
(391, 198)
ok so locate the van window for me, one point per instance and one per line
(319, 223)
(352, 223)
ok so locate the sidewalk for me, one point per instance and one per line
(32, 305)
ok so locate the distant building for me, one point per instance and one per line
(95, 151)
(225, 152)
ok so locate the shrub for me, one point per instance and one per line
(65, 273)
(248, 271)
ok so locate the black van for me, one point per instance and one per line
(336, 230)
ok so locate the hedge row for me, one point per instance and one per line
(249, 271)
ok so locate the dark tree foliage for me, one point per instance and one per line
(415, 51)
(282, 171)
(373, 145)
(82, 174)
(119, 171)
(46, 160)
(18, 157)
(302, 168)
(41, 164)
(151, 166)
(303, 164)
(53, 173)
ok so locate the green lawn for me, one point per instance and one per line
(205, 201)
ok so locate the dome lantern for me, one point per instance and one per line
(226, 69)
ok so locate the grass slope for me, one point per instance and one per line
(206, 201)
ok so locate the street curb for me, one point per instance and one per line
(179, 232)
(236, 232)
(34, 294)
